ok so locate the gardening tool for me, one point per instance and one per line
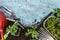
(14, 18)
(3, 23)
(3, 20)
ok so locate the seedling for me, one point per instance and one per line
(32, 32)
(11, 29)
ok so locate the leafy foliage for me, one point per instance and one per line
(53, 26)
(58, 24)
(12, 29)
(32, 32)
(51, 21)
(57, 12)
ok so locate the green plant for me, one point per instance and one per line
(58, 25)
(51, 21)
(32, 32)
(57, 12)
(53, 25)
(12, 29)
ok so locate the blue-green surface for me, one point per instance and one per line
(29, 10)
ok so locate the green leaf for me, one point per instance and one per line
(13, 29)
(57, 11)
(32, 32)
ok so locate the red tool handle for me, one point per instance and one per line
(2, 34)
(1, 30)
(3, 23)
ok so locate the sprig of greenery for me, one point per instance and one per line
(32, 32)
(12, 29)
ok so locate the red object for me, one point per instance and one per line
(3, 23)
